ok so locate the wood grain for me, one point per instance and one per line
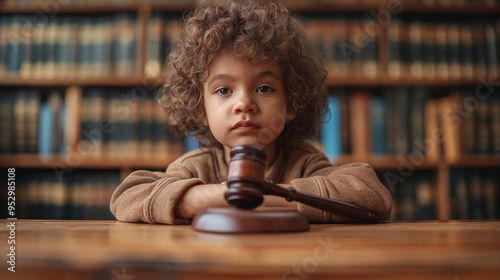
(111, 249)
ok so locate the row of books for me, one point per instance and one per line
(112, 122)
(66, 46)
(405, 120)
(163, 32)
(349, 51)
(362, 122)
(470, 119)
(125, 123)
(474, 194)
(427, 3)
(444, 48)
(414, 198)
(77, 195)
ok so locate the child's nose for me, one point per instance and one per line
(244, 103)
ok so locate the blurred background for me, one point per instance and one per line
(414, 91)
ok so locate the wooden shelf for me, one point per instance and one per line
(117, 81)
(79, 8)
(477, 161)
(296, 6)
(61, 161)
(454, 8)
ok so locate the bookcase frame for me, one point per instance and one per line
(73, 93)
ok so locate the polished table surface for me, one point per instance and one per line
(51, 249)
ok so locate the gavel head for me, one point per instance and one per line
(246, 177)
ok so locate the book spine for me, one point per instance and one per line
(4, 27)
(491, 49)
(331, 134)
(402, 122)
(454, 51)
(154, 57)
(466, 51)
(479, 48)
(14, 46)
(378, 125)
(495, 123)
(360, 130)
(416, 53)
(442, 59)
(429, 51)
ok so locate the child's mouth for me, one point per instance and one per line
(245, 126)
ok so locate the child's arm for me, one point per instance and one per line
(150, 197)
(354, 183)
(309, 171)
(201, 197)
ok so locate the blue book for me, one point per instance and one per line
(331, 133)
(14, 46)
(45, 133)
(190, 143)
(378, 125)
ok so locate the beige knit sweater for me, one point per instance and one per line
(146, 196)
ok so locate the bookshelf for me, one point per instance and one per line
(371, 72)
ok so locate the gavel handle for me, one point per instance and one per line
(346, 210)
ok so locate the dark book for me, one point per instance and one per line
(125, 44)
(483, 124)
(4, 27)
(466, 60)
(408, 202)
(339, 46)
(425, 197)
(154, 56)
(453, 43)
(369, 49)
(429, 51)
(490, 194)
(461, 195)
(7, 122)
(476, 200)
(468, 131)
(396, 34)
(495, 123)
(492, 59)
(416, 48)
(402, 126)
(442, 59)
(479, 48)
(418, 98)
(390, 120)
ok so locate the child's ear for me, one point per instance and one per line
(290, 115)
(203, 115)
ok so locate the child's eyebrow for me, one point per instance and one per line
(269, 74)
(220, 77)
(230, 77)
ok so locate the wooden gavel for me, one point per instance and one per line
(247, 186)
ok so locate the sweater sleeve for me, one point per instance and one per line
(150, 197)
(355, 183)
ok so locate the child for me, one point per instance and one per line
(245, 73)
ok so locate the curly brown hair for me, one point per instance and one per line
(261, 30)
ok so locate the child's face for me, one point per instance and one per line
(245, 102)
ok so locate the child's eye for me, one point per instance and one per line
(222, 91)
(264, 89)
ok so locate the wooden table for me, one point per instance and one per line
(112, 250)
